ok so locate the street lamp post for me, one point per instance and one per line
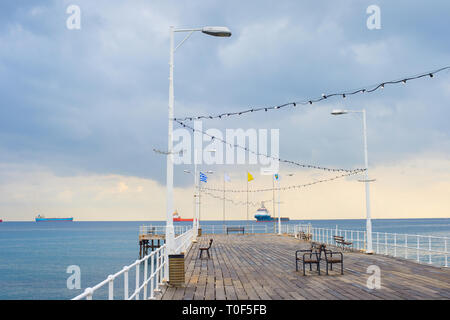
(213, 31)
(170, 234)
(366, 180)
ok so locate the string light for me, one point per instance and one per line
(238, 203)
(368, 89)
(307, 166)
(285, 188)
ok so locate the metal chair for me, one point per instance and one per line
(337, 258)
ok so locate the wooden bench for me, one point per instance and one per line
(236, 229)
(304, 236)
(340, 242)
(206, 249)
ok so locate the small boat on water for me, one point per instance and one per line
(262, 215)
(177, 218)
(1, 220)
(40, 218)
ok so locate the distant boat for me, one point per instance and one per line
(1, 220)
(177, 218)
(262, 215)
(40, 218)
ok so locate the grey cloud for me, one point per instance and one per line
(95, 100)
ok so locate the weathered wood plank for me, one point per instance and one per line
(262, 266)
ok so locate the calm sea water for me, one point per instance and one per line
(34, 256)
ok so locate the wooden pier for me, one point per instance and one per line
(149, 241)
(262, 266)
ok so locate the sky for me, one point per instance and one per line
(81, 110)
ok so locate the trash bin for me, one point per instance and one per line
(176, 270)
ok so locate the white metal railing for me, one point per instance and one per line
(161, 230)
(184, 241)
(266, 227)
(156, 261)
(421, 248)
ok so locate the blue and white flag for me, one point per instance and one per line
(203, 177)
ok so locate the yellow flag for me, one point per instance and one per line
(249, 176)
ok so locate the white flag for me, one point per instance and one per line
(226, 177)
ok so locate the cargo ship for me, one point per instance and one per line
(262, 215)
(177, 218)
(40, 218)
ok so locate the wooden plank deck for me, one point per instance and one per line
(262, 266)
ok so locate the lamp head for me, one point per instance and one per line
(337, 112)
(217, 31)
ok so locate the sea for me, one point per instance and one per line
(35, 256)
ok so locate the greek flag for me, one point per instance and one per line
(203, 177)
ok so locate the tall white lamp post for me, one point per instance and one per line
(213, 31)
(366, 180)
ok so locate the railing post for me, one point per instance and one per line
(418, 248)
(378, 242)
(137, 280)
(162, 257)
(445, 248)
(365, 245)
(357, 241)
(90, 293)
(125, 283)
(152, 276)
(385, 244)
(395, 244)
(406, 246)
(157, 274)
(110, 287)
(429, 249)
(145, 278)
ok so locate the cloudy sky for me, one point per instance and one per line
(82, 110)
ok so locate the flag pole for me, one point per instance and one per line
(279, 216)
(273, 202)
(224, 203)
(247, 200)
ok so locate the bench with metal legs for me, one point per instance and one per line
(205, 249)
